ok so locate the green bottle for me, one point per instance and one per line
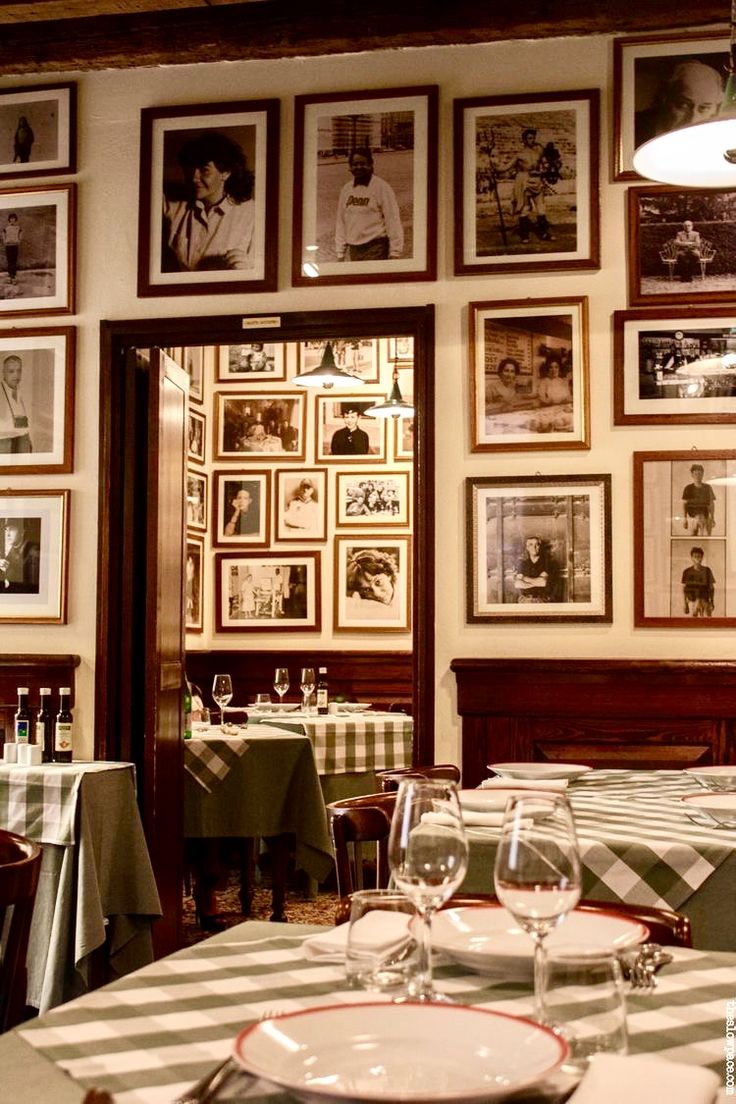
(187, 710)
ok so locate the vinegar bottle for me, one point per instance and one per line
(63, 734)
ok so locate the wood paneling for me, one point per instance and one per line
(32, 671)
(606, 713)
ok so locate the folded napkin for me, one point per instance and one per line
(556, 785)
(380, 929)
(472, 818)
(642, 1079)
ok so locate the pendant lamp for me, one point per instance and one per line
(327, 375)
(394, 406)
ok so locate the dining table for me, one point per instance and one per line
(147, 1037)
(638, 845)
(97, 898)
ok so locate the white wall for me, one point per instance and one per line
(109, 106)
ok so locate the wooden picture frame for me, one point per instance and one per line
(195, 360)
(337, 429)
(34, 541)
(372, 583)
(194, 588)
(301, 504)
(241, 508)
(260, 424)
(42, 118)
(660, 83)
(684, 517)
(357, 356)
(37, 246)
(526, 182)
(398, 351)
(394, 132)
(241, 139)
(529, 374)
(674, 368)
(250, 597)
(197, 500)
(42, 364)
(538, 548)
(373, 498)
(197, 437)
(256, 360)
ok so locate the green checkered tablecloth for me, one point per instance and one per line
(209, 759)
(41, 802)
(365, 742)
(149, 1036)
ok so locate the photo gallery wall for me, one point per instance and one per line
(300, 501)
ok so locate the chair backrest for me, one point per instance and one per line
(707, 251)
(20, 866)
(668, 252)
(389, 780)
(355, 821)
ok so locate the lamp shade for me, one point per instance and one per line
(327, 375)
(393, 407)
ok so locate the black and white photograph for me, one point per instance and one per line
(197, 500)
(197, 431)
(358, 356)
(373, 498)
(529, 374)
(538, 548)
(270, 591)
(34, 531)
(199, 160)
(684, 536)
(37, 401)
(38, 130)
(37, 250)
(194, 619)
(682, 245)
(372, 584)
(672, 368)
(301, 504)
(346, 433)
(365, 179)
(262, 424)
(258, 360)
(526, 182)
(195, 362)
(399, 350)
(241, 507)
(662, 83)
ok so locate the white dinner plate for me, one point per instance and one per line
(395, 1053)
(487, 939)
(714, 778)
(492, 801)
(276, 707)
(721, 806)
(538, 770)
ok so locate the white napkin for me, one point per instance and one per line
(380, 928)
(644, 1079)
(472, 818)
(556, 785)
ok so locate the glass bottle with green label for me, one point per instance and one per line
(22, 717)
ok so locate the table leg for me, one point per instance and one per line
(279, 849)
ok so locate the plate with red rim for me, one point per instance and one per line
(487, 939)
(720, 805)
(539, 771)
(404, 1053)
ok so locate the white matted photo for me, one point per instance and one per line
(372, 584)
(267, 592)
(346, 433)
(197, 500)
(37, 401)
(373, 498)
(39, 125)
(241, 507)
(301, 505)
(37, 250)
(197, 431)
(34, 534)
(256, 359)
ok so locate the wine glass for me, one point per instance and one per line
(307, 683)
(537, 871)
(281, 682)
(428, 856)
(222, 692)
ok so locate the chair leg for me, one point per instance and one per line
(278, 847)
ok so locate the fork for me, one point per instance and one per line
(208, 1086)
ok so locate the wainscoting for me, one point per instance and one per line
(604, 713)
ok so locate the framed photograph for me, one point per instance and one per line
(684, 539)
(194, 621)
(197, 437)
(661, 83)
(197, 500)
(194, 361)
(345, 433)
(258, 360)
(373, 499)
(526, 182)
(37, 250)
(529, 377)
(241, 507)
(240, 142)
(34, 540)
(398, 350)
(403, 428)
(372, 584)
(301, 504)
(40, 122)
(260, 423)
(674, 368)
(37, 401)
(365, 187)
(267, 592)
(682, 245)
(358, 356)
(538, 548)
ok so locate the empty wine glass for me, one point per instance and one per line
(222, 692)
(281, 682)
(428, 856)
(307, 684)
(537, 871)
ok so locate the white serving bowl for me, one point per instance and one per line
(538, 771)
(720, 806)
(714, 778)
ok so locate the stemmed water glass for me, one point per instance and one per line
(281, 682)
(428, 856)
(307, 684)
(537, 871)
(222, 692)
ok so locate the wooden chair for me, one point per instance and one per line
(20, 866)
(356, 821)
(389, 780)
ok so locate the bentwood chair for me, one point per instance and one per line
(356, 821)
(20, 866)
(389, 779)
